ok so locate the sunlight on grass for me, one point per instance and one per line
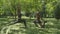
(51, 28)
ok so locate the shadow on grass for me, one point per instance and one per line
(52, 27)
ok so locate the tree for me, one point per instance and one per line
(57, 12)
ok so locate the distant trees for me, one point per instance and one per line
(28, 6)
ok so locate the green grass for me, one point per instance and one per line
(52, 27)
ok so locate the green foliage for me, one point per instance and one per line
(28, 6)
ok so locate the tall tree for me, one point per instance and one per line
(57, 12)
(44, 7)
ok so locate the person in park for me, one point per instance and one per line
(39, 20)
(20, 15)
(19, 20)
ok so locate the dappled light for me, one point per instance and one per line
(29, 16)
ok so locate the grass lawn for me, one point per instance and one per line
(51, 27)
